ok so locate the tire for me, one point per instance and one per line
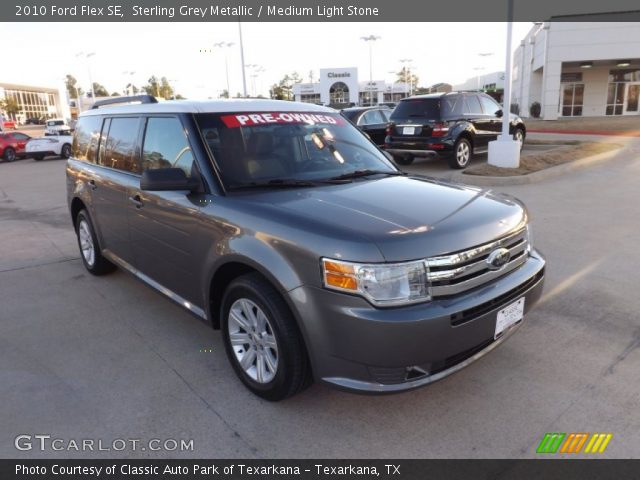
(404, 159)
(90, 253)
(274, 339)
(37, 158)
(461, 156)
(9, 154)
(65, 151)
(519, 136)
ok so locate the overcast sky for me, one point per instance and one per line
(43, 53)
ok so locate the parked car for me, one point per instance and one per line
(57, 126)
(371, 120)
(282, 225)
(12, 145)
(34, 121)
(38, 148)
(452, 125)
(9, 125)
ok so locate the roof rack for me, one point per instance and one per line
(119, 100)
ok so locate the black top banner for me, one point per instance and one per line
(314, 11)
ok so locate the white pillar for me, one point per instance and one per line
(505, 152)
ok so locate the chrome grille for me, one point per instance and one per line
(458, 272)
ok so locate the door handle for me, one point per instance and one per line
(92, 184)
(137, 201)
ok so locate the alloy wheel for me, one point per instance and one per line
(253, 341)
(462, 153)
(86, 243)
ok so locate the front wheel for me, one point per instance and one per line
(262, 340)
(461, 154)
(90, 253)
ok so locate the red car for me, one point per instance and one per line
(9, 125)
(12, 145)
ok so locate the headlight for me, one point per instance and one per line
(382, 284)
(529, 238)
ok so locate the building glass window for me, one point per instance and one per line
(310, 97)
(615, 98)
(339, 93)
(572, 99)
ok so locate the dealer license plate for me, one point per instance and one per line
(509, 316)
(408, 130)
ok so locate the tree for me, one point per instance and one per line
(99, 90)
(72, 86)
(159, 88)
(407, 77)
(132, 88)
(153, 87)
(115, 94)
(283, 90)
(10, 105)
(224, 94)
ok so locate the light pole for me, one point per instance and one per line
(244, 77)
(483, 55)
(130, 73)
(478, 70)
(408, 61)
(87, 56)
(370, 39)
(226, 61)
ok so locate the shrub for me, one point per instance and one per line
(535, 109)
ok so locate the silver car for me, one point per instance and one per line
(285, 227)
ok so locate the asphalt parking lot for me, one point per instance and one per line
(108, 358)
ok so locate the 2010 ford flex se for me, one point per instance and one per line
(284, 226)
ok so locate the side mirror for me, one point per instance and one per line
(499, 113)
(167, 179)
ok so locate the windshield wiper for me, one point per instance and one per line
(367, 173)
(275, 183)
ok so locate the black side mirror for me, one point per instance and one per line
(498, 113)
(167, 179)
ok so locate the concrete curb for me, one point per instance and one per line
(551, 172)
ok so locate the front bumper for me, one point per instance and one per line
(357, 347)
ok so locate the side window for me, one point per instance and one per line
(452, 106)
(385, 115)
(166, 145)
(86, 138)
(20, 136)
(120, 145)
(489, 106)
(372, 117)
(472, 105)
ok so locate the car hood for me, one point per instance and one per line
(407, 217)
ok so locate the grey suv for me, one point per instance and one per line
(284, 226)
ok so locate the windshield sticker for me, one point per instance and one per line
(266, 118)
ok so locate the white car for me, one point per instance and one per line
(59, 145)
(57, 126)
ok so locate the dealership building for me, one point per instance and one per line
(35, 102)
(341, 87)
(575, 69)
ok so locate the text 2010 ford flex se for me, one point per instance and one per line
(284, 226)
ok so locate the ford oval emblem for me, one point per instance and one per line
(498, 258)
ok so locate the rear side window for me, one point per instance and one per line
(472, 105)
(86, 138)
(372, 117)
(489, 106)
(119, 147)
(428, 108)
(166, 145)
(452, 106)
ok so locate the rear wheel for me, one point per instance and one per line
(262, 340)
(518, 136)
(9, 154)
(90, 253)
(461, 154)
(404, 159)
(65, 152)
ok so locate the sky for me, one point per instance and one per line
(182, 52)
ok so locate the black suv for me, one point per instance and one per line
(455, 125)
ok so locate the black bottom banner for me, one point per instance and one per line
(320, 469)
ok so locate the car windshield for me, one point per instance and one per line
(420, 107)
(258, 148)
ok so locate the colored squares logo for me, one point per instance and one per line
(574, 443)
